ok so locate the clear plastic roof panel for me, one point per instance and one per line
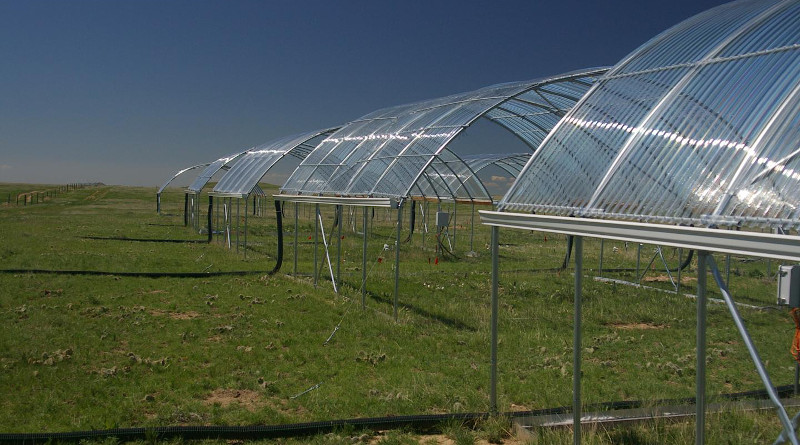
(699, 125)
(388, 153)
(202, 179)
(243, 177)
(180, 172)
(511, 163)
(448, 176)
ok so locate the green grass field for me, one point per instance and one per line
(124, 341)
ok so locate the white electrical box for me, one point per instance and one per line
(789, 286)
(442, 219)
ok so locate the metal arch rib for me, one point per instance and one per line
(513, 97)
(180, 172)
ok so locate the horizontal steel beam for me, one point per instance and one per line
(339, 200)
(228, 195)
(765, 245)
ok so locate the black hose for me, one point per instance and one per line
(255, 432)
(570, 239)
(411, 221)
(279, 217)
(185, 209)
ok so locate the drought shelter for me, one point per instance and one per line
(393, 152)
(699, 126)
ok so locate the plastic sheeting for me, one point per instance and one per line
(202, 179)
(700, 125)
(240, 180)
(398, 152)
(179, 172)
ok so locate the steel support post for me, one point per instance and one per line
(576, 343)
(316, 242)
(296, 208)
(238, 217)
(788, 428)
(638, 261)
(424, 209)
(455, 214)
(680, 263)
(364, 264)
(185, 209)
(397, 257)
(495, 246)
(339, 243)
(600, 265)
(728, 268)
(700, 378)
(472, 229)
(158, 202)
(246, 212)
(210, 218)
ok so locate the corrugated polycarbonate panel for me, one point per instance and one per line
(202, 179)
(387, 152)
(512, 163)
(180, 172)
(253, 165)
(705, 132)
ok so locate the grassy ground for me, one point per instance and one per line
(103, 347)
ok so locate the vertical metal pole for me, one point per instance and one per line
(238, 205)
(424, 208)
(680, 263)
(728, 269)
(493, 328)
(185, 209)
(364, 264)
(600, 266)
(472, 229)
(455, 210)
(638, 262)
(576, 346)
(210, 215)
(700, 378)
(158, 202)
(397, 256)
(339, 244)
(316, 241)
(788, 428)
(295, 237)
(246, 212)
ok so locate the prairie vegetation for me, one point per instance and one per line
(115, 316)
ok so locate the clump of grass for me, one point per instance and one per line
(458, 432)
(495, 428)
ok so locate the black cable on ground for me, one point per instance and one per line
(424, 422)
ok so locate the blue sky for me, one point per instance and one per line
(128, 92)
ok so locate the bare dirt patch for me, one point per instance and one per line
(441, 439)
(665, 279)
(637, 326)
(188, 315)
(250, 400)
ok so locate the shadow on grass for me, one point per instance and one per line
(449, 322)
(145, 240)
(133, 274)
